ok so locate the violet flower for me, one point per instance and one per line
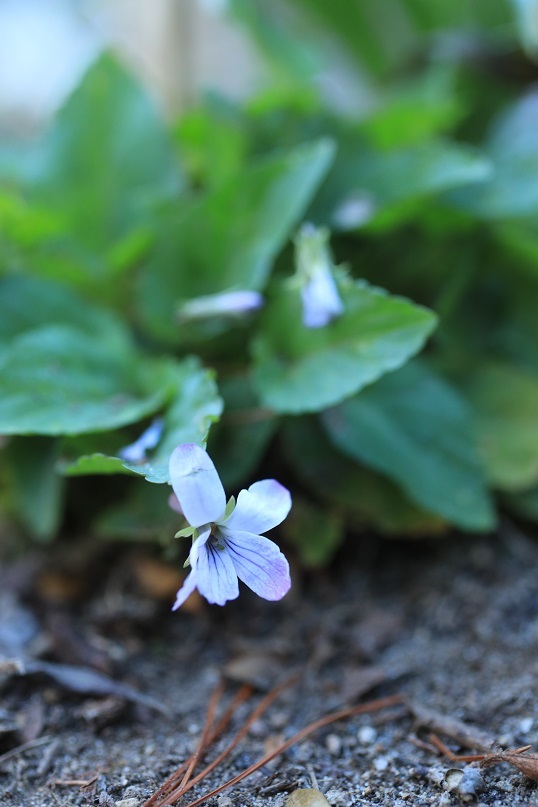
(319, 293)
(227, 544)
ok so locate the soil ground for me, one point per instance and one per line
(451, 624)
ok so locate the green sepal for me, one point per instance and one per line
(230, 507)
(186, 532)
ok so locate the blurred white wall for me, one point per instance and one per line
(178, 47)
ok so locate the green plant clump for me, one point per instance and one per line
(154, 271)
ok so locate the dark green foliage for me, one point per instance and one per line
(112, 222)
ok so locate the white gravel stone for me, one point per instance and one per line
(333, 743)
(366, 735)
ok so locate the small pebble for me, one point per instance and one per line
(127, 803)
(436, 775)
(471, 783)
(333, 743)
(526, 724)
(367, 735)
(338, 798)
(453, 777)
(306, 797)
(381, 763)
(225, 801)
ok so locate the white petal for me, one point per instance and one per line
(196, 484)
(185, 591)
(321, 301)
(216, 578)
(197, 546)
(259, 563)
(264, 505)
(231, 303)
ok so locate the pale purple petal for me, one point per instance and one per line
(264, 505)
(259, 563)
(216, 577)
(185, 591)
(228, 303)
(173, 503)
(196, 484)
(321, 301)
(136, 452)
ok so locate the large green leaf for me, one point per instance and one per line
(512, 190)
(229, 239)
(390, 185)
(106, 151)
(357, 493)
(357, 31)
(506, 402)
(238, 442)
(143, 516)
(27, 303)
(58, 380)
(299, 369)
(35, 487)
(414, 111)
(414, 428)
(194, 404)
(315, 532)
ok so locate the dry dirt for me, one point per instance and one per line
(451, 624)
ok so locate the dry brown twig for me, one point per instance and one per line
(370, 706)
(258, 711)
(527, 764)
(171, 783)
(170, 792)
(465, 735)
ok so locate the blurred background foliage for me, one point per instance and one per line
(406, 128)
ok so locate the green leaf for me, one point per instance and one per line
(524, 504)
(314, 531)
(97, 463)
(106, 152)
(392, 185)
(351, 490)
(27, 303)
(511, 191)
(214, 140)
(23, 224)
(229, 239)
(36, 487)
(415, 110)
(237, 444)
(506, 402)
(143, 516)
(57, 380)
(414, 428)
(299, 369)
(194, 405)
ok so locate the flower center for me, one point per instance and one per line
(216, 539)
